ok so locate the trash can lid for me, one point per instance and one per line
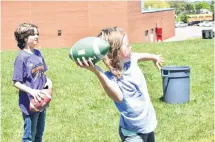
(207, 30)
(178, 68)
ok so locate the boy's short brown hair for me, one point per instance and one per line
(22, 32)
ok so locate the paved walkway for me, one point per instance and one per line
(187, 33)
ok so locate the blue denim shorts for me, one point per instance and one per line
(130, 136)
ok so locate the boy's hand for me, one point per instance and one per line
(37, 94)
(158, 61)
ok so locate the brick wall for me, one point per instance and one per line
(139, 23)
(79, 19)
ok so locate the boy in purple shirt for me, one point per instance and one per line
(29, 78)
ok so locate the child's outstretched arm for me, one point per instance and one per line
(157, 59)
(112, 91)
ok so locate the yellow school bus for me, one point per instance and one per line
(200, 17)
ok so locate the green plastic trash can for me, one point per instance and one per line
(176, 84)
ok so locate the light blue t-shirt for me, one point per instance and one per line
(137, 112)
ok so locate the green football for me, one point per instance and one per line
(89, 47)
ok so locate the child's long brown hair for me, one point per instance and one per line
(114, 36)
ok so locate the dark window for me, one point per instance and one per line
(146, 35)
(152, 31)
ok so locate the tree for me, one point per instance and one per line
(204, 5)
(212, 8)
(189, 8)
(182, 7)
(178, 5)
(198, 7)
(156, 4)
(184, 18)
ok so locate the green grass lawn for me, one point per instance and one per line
(81, 112)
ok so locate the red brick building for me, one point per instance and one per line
(76, 20)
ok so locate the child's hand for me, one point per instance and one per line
(88, 65)
(37, 94)
(158, 61)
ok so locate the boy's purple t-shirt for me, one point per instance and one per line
(29, 69)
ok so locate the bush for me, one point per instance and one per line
(184, 18)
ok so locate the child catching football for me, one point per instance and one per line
(125, 84)
(29, 78)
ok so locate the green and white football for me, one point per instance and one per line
(89, 47)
